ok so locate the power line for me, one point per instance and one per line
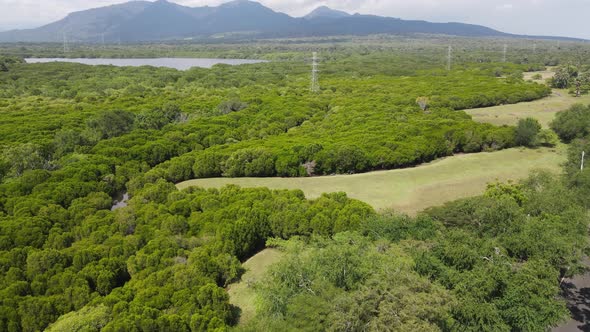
(315, 85)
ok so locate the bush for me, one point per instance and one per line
(564, 77)
(572, 123)
(547, 138)
(250, 162)
(527, 131)
(208, 165)
(109, 124)
(157, 118)
(232, 105)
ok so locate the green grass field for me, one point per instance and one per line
(413, 189)
(241, 294)
(543, 110)
(545, 75)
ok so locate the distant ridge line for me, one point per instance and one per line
(144, 21)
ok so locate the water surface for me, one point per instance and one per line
(176, 63)
(121, 202)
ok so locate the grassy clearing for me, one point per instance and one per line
(413, 189)
(543, 110)
(545, 75)
(241, 294)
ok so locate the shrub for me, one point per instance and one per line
(572, 123)
(527, 131)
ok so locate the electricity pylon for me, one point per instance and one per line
(66, 48)
(449, 58)
(315, 85)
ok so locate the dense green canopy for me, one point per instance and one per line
(74, 138)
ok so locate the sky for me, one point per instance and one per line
(532, 17)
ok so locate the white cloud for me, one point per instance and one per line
(540, 17)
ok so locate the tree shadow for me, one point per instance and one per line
(236, 313)
(578, 303)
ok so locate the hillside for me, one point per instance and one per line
(326, 12)
(162, 20)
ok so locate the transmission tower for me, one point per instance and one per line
(534, 48)
(449, 58)
(66, 48)
(315, 85)
(103, 40)
(505, 52)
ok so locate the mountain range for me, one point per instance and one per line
(144, 21)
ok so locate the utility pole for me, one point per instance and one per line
(103, 40)
(505, 52)
(449, 58)
(315, 85)
(582, 165)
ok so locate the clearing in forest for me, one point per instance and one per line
(411, 190)
(545, 75)
(543, 109)
(242, 294)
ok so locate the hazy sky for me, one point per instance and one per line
(535, 17)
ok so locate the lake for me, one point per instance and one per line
(176, 63)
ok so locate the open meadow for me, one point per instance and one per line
(540, 76)
(543, 109)
(411, 190)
